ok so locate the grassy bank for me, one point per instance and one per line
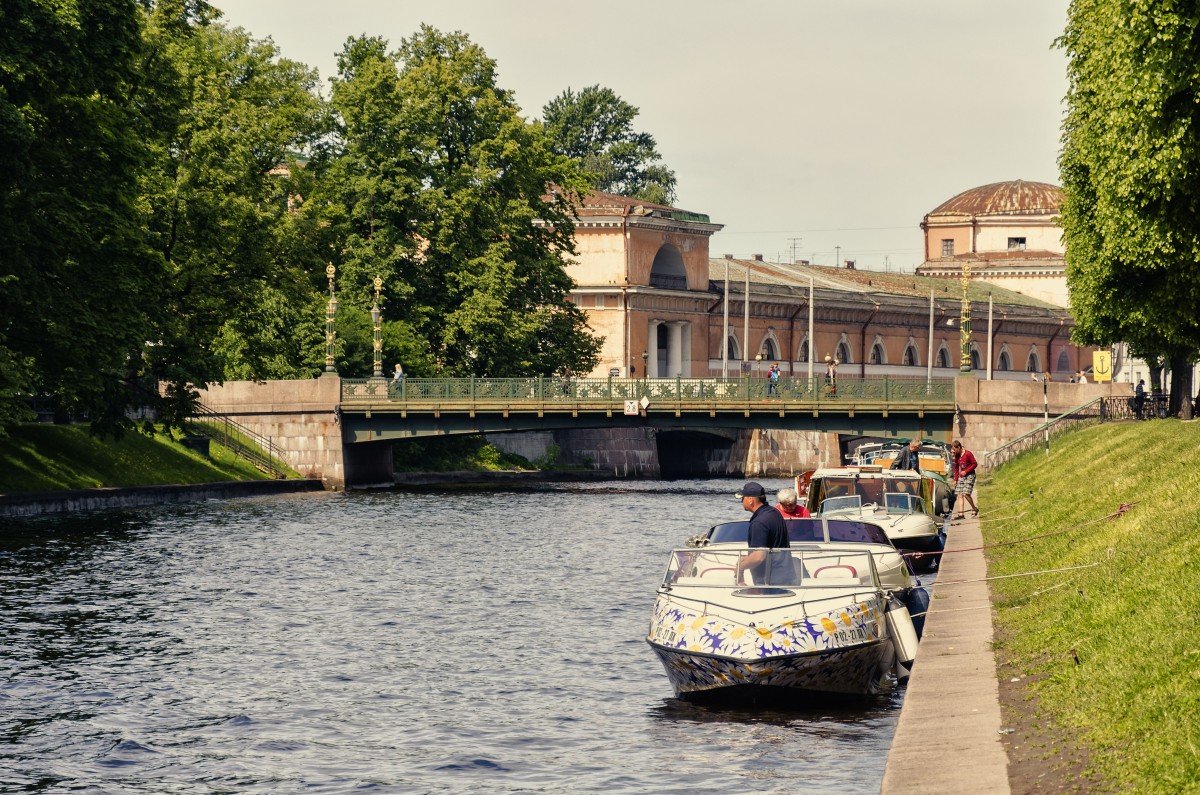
(53, 457)
(1109, 656)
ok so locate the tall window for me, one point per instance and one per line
(943, 357)
(803, 356)
(843, 353)
(1005, 363)
(1033, 364)
(877, 354)
(975, 360)
(948, 247)
(1016, 244)
(1064, 361)
(732, 347)
(910, 356)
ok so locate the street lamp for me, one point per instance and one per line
(330, 313)
(377, 326)
(964, 329)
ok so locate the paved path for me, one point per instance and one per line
(948, 736)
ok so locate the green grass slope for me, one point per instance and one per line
(52, 457)
(1132, 701)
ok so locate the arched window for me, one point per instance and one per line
(731, 345)
(843, 352)
(1064, 361)
(910, 356)
(877, 354)
(943, 357)
(975, 359)
(769, 352)
(803, 355)
(1033, 364)
(668, 271)
(1005, 363)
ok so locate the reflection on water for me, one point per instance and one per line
(430, 641)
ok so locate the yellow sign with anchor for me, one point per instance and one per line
(1101, 366)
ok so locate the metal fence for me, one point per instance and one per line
(691, 392)
(1092, 411)
(259, 450)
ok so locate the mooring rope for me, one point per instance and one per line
(1010, 576)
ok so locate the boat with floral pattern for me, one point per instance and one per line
(823, 627)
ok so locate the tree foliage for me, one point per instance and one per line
(1130, 160)
(442, 189)
(595, 127)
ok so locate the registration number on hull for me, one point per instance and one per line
(851, 635)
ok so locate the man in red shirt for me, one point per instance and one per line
(964, 474)
(787, 505)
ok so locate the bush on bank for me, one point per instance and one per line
(454, 454)
(1111, 652)
(56, 457)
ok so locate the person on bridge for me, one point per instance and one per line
(908, 457)
(398, 376)
(787, 505)
(767, 533)
(964, 478)
(773, 379)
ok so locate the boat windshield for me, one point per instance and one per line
(842, 504)
(802, 531)
(899, 504)
(827, 566)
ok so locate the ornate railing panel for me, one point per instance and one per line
(679, 392)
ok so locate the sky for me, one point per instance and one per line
(810, 129)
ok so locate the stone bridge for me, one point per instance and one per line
(342, 430)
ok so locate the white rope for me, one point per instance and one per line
(1007, 576)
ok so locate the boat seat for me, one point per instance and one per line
(837, 572)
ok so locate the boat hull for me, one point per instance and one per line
(859, 671)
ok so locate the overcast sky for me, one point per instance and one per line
(839, 123)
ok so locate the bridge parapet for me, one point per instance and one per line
(611, 394)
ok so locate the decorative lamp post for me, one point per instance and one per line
(330, 314)
(645, 369)
(377, 327)
(964, 329)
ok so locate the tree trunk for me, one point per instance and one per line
(1181, 386)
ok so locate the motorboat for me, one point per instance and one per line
(822, 617)
(899, 501)
(934, 458)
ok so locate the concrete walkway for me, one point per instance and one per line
(948, 736)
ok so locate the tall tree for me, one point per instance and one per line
(74, 273)
(1130, 160)
(441, 188)
(595, 127)
(231, 119)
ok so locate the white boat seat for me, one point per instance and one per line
(836, 572)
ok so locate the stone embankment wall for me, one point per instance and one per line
(299, 417)
(993, 413)
(36, 504)
(779, 453)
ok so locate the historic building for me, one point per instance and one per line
(646, 280)
(1006, 233)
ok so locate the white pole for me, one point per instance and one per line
(812, 342)
(929, 354)
(989, 367)
(746, 322)
(725, 327)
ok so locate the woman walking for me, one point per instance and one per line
(964, 483)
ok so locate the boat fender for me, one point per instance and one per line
(904, 636)
(917, 603)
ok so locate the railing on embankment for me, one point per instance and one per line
(1096, 410)
(612, 393)
(259, 450)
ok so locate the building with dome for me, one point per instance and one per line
(1006, 233)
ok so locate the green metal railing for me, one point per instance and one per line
(661, 392)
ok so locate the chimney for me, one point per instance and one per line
(758, 258)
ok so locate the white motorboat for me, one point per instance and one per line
(934, 458)
(896, 500)
(821, 617)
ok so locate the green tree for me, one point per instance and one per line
(595, 127)
(442, 189)
(231, 121)
(1131, 153)
(74, 273)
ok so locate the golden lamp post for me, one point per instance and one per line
(330, 315)
(964, 331)
(377, 327)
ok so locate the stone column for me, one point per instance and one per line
(652, 349)
(674, 349)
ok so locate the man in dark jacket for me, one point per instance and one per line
(908, 458)
(767, 533)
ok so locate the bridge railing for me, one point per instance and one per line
(886, 391)
(1096, 410)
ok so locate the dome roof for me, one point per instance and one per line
(1004, 198)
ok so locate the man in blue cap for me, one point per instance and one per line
(767, 532)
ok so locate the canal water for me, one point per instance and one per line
(481, 641)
